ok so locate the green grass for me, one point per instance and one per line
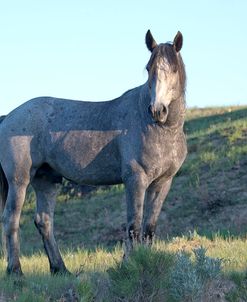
(209, 193)
(206, 207)
(181, 269)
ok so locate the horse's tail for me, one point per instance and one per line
(3, 188)
(3, 195)
(3, 181)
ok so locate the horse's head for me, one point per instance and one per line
(166, 75)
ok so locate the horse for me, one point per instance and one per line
(136, 139)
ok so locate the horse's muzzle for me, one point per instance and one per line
(158, 113)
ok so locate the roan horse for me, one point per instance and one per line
(136, 139)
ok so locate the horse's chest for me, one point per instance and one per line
(164, 154)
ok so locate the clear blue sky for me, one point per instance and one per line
(94, 50)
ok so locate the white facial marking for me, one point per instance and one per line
(163, 85)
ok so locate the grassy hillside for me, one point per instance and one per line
(210, 193)
(205, 207)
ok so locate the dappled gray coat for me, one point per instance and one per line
(136, 139)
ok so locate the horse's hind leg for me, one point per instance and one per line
(155, 197)
(46, 192)
(11, 218)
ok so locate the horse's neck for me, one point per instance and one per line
(176, 114)
(144, 97)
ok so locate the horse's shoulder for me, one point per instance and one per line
(180, 149)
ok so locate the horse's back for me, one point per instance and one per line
(78, 139)
(20, 130)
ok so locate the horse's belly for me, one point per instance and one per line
(89, 157)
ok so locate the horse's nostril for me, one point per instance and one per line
(158, 114)
(165, 109)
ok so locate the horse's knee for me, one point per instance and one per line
(10, 225)
(43, 224)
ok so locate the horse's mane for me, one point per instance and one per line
(2, 117)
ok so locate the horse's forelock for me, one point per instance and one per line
(174, 60)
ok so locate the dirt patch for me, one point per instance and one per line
(217, 290)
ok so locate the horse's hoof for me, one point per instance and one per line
(17, 272)
(60, 271)
(125, 257)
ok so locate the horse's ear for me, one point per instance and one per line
(150, 42)
(178, 41)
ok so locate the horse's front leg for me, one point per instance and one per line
(135, 187)
(155, 197)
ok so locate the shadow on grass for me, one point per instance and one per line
(203, 123)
